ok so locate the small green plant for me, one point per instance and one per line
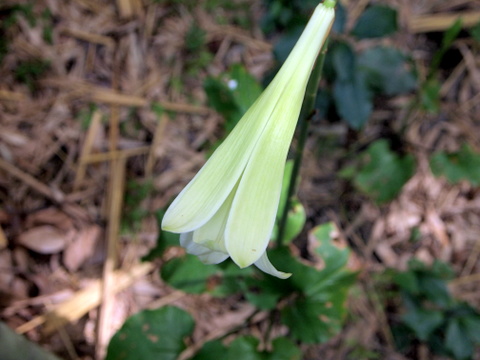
(133, 214)
(313, 303)
(430, 88)
(232, 93)
(197, 54)
(380, 172)
(28, 72)
(457, 166)
(432, 316)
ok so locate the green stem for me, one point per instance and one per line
(304, 120)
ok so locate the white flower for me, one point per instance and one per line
(229, 207)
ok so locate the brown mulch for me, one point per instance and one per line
(72, 139)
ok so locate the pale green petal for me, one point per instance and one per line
(255, 205)
(207, 191)
(266, 266)
(212, 234)
(254, 208)
(206, 255)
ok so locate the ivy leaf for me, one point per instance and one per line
(353, 100)
(152, 334)
(211, 350)
(389, 71)
(461, 165)
(376, 21)
(188, 274)
(314, 321)
(385, 172)
(457, 340)
(422, 321)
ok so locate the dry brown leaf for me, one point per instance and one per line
(81, 248)
(44, 239)
(3, 239)
(50, 216)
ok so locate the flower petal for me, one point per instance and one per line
(212, 234)
(206, 255)
(254, 208)
(207, 191)
(266, 266)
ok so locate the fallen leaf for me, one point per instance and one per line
(44, 239)
(50, 216)
(81, 248)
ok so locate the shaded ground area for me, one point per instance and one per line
(104, 118)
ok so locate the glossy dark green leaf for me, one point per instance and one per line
(471, 324)
(385, 172)
(457, 166)
(211, 350)
(152, 335)
(284, 349)
(353, 100)
(423, 321)
(376, 21)
(475, 32)
(341, 61)
(246, 348)
(434, 289)
(311, 321)
(407, 281)
(389, 71)
(457, 341)
(188, 274)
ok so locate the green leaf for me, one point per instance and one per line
(422, 321)
(15, 347)
(385, 172)
(230, 279)
(407, 281)
(232, 93)
(376, 21)
(188, 274)
(341, 60)
(389, 71)
(434, 289)
(430, 96)
(284, 349)
(457, 341)
(471, 324)
(312, 321)
(457, 166)
(247, 347)
(152, 334)
(353, 100)
(211, 350)
(334, 257)
(475, 32)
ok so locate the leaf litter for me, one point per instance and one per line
(77, 108)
